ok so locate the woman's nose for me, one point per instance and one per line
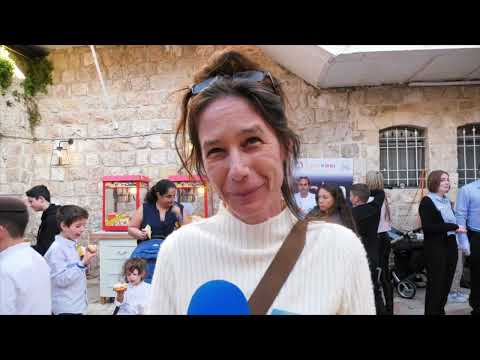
(238, 167)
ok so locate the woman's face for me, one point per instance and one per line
(325, 200)
(166, 200)
(444, 186)
(242, 159)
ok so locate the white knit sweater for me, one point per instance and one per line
(330, 277)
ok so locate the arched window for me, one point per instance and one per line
(468, 149)
(402, 156)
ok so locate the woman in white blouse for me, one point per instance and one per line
(233, 130)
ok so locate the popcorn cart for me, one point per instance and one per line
(192, 193)
(122, 195)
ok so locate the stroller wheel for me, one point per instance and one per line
(406, 289)
(421, 280)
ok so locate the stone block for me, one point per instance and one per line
(140, 83)
(147, 112)
(349, 150)
(79, 89)
(128, 158)
(80, 187)
(120, 145)
(94, 88)
(60, 91)
(111, 159)
(143, 157)
(158, 142)
(77, 173)
(87, 59)
(161, 124)
(141, 127)
(68, 76)
(77, 159)
(154, 53)
(139, 142)
(91, 159)
(115, 171)
(159, 157)
(468, 104)
(134, 70)
(57, 174)
(41, 160)
(136, 54)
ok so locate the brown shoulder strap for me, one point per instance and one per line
(277, 273)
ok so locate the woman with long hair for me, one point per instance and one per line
(159, 210)
(375, 181)
(234, 132)
(440, 244)
(332, 206)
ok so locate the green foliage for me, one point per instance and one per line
(38, 76)
(6, 74)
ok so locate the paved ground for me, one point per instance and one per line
(401, 306)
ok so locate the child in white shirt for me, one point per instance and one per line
(134, 299)
(68, 271)
(24, 274)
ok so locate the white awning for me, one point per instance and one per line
(329, 66)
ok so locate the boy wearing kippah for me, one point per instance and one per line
(69, 279)
(24, 274)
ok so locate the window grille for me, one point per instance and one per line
(468, 150)
(402, 156)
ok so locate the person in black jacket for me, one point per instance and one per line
(39, 200)
(367, 218)
(440, 245)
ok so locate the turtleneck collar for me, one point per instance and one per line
(270, 233)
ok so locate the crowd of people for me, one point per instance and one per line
(449, 233)
(233, 130)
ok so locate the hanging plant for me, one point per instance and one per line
(38, 76)
(6, 74)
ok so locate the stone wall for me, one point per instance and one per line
(16, 147)
(140, 80)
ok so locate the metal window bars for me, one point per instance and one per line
(468, 149)
(406, 147)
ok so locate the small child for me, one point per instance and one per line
(24, 274)
(134, 300)
(68, 271)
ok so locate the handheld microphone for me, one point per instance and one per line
(218, 297)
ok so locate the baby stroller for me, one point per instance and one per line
(408, 270)
(148, 250)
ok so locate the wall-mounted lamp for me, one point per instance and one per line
(63, 155)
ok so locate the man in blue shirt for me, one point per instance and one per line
(468, 216)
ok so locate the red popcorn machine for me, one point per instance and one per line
(122, 196)
(192, 193)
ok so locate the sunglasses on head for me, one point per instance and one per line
(252, 75)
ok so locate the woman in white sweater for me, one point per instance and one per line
(234, 118)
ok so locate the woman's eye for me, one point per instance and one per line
(252, 140)
(214, 151)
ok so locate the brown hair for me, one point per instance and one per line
(13, 216)
(362, 191)
(265, 97)
(133, 264)
(304, 178)
(340, 206)
(68, 214)
(433, 180)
